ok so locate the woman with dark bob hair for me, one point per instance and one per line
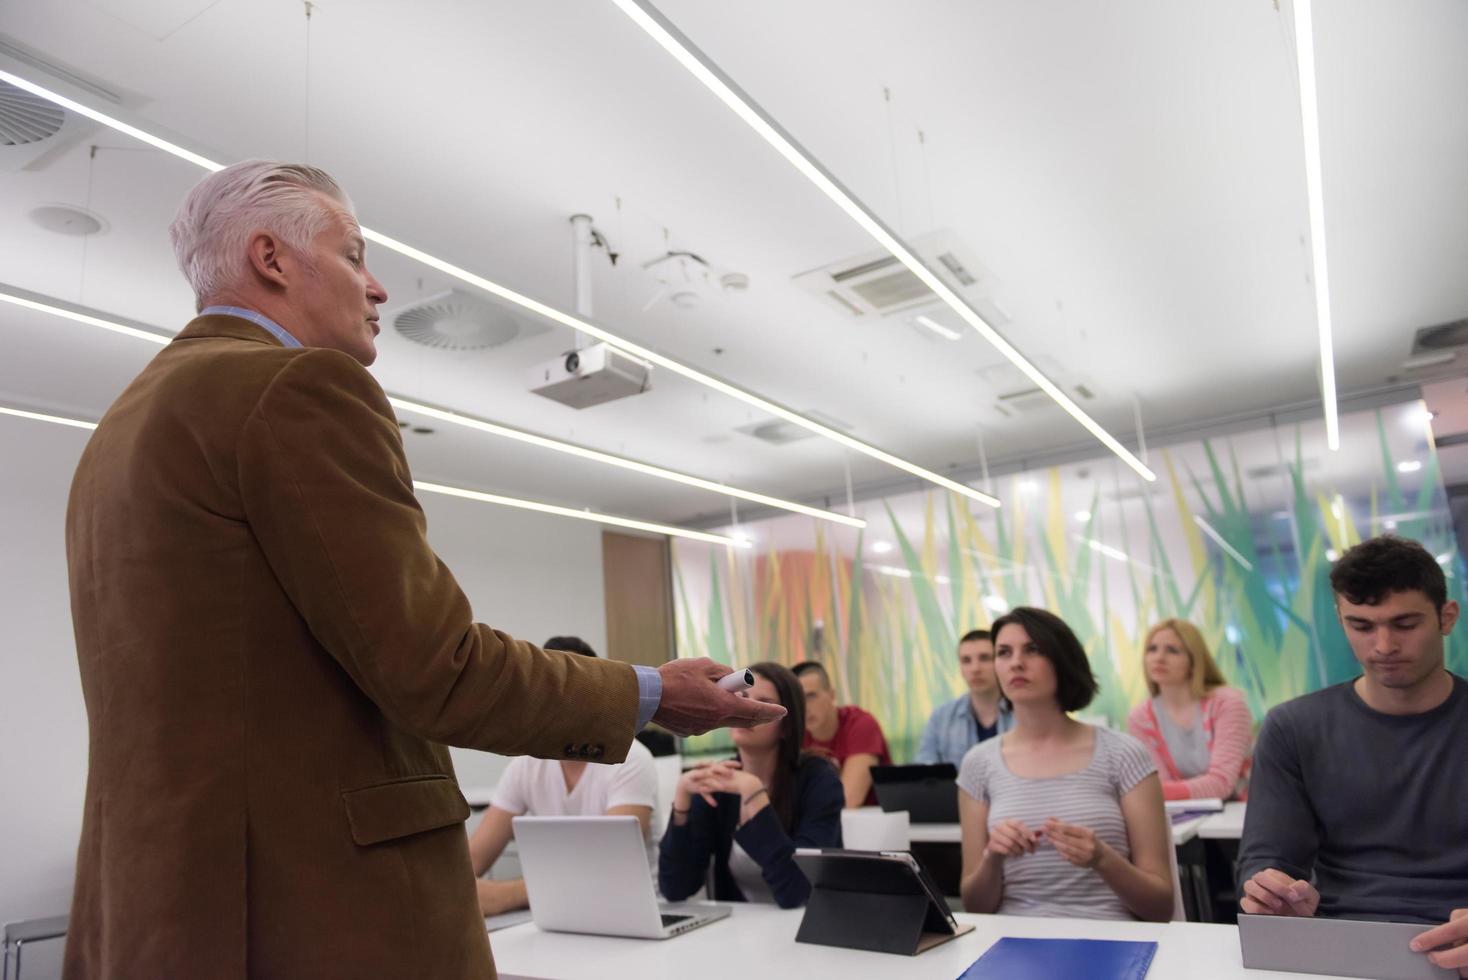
(1060, 818)
(748, 815)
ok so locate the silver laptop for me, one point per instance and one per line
(590, 874)
(1339, 947)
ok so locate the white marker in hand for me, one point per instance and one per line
(739, 680)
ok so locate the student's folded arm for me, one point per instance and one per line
(773, 849)
(642, 813)
(683, 855)
(488, 841)
(1280, 823)
(1144, 883)
(1232, 733)
(328, 495)
(981, 886)
(856, 777)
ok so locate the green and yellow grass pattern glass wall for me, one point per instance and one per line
(1238, 535)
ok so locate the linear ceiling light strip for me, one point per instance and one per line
(1314, 191)
(487, 498)
(41, 417)
(543, 310)
(661, 30)
(530, 438)
(583, 515)
(483, 425)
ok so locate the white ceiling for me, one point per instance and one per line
(1129, 173)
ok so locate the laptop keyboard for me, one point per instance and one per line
(673, 920)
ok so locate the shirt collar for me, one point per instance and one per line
(259, 319)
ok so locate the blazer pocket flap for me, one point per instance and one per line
(402, 807)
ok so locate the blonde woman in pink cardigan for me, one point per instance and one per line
(1197, 728)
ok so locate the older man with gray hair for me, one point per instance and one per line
(271, 654)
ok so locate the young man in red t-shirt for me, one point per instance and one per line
(848, 734)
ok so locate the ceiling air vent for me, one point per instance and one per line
(27, 118)
(1444, 336)
(33, 130)
(778, 432)
(454, 320)
(876, 284)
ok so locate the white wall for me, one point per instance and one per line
(529, 574)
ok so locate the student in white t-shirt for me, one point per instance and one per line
(550, 788)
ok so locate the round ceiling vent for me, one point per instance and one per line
(67, 219)
(27, 118)
(456, 321)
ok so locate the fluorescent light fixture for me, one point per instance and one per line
(581, 515)
(1310, 124)
(894, 572)
(881, 547)
(1228, 549)
(86, 318)
(1083, 516)
(41, 417)
(543, 310)
(937, 327)
(738, 541)
(469, 421)
(1332, 555)
(530, 438)
(677, 367)
(995, 603)
(1409, 466)
(661, 30)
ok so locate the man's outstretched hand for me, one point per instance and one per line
(693, 703)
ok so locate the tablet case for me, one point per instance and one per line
(873, 901)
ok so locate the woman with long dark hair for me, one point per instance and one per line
(749, 814)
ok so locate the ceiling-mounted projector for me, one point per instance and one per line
(590, 376)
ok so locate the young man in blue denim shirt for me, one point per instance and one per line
(958, 725)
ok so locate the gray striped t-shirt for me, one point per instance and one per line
(1044, 883)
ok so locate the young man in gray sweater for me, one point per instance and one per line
(1358, 802)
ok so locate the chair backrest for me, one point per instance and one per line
(871, 829)
(1179, 911)
(669, 769)
(18, 934)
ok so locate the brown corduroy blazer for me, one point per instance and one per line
(271, 655)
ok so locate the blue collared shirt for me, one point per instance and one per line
(953, 730)
(649, 681)
(258, 319)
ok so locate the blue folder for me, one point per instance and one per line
(1052, 959)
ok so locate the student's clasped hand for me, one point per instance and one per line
(1011, 838)
(1450, 940)
(724, 776)
(1272, 892)
(1076, 844)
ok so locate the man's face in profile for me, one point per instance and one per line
(339, 297)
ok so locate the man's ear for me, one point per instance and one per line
(267, 259)
(1448, 616)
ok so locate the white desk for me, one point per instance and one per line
(951, 833)
(1228, 825)
(759, 941)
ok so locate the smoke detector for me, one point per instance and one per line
(459, 321)
(68, 219)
